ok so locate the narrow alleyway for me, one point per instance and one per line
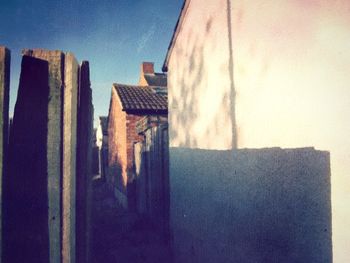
(119, 236)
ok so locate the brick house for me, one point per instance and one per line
(127, 106)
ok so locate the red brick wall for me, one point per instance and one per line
(121, 138)
(117, 153)
(132, 137)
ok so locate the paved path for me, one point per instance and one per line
(119, 236)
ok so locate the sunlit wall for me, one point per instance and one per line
(291, 86)
(199, 86)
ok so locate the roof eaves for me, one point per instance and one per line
(127, 104)
(147, 111)
(115, 85)
(175, 34)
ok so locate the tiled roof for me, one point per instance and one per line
(141, 99)
(156, 79)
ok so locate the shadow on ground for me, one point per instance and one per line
(119, 236)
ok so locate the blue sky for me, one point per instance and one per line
(115, 36)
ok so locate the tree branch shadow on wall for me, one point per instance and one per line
(191, 80)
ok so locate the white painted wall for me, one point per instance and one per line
(291, 63)
(99, 136)
(291, 82)
(199, 86)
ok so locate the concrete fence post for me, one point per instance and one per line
(47, 157)
(5, 57)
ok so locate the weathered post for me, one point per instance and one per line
(25, 203)
(55, 61)
(40, 203)
(5, 57)
(70, 95)
(84, 169)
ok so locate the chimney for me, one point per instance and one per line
(147, 68)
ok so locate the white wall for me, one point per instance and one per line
(199, 86)
(290, 71)
(99, 136)
(291, 76)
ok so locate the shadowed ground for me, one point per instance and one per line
(119, 236)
